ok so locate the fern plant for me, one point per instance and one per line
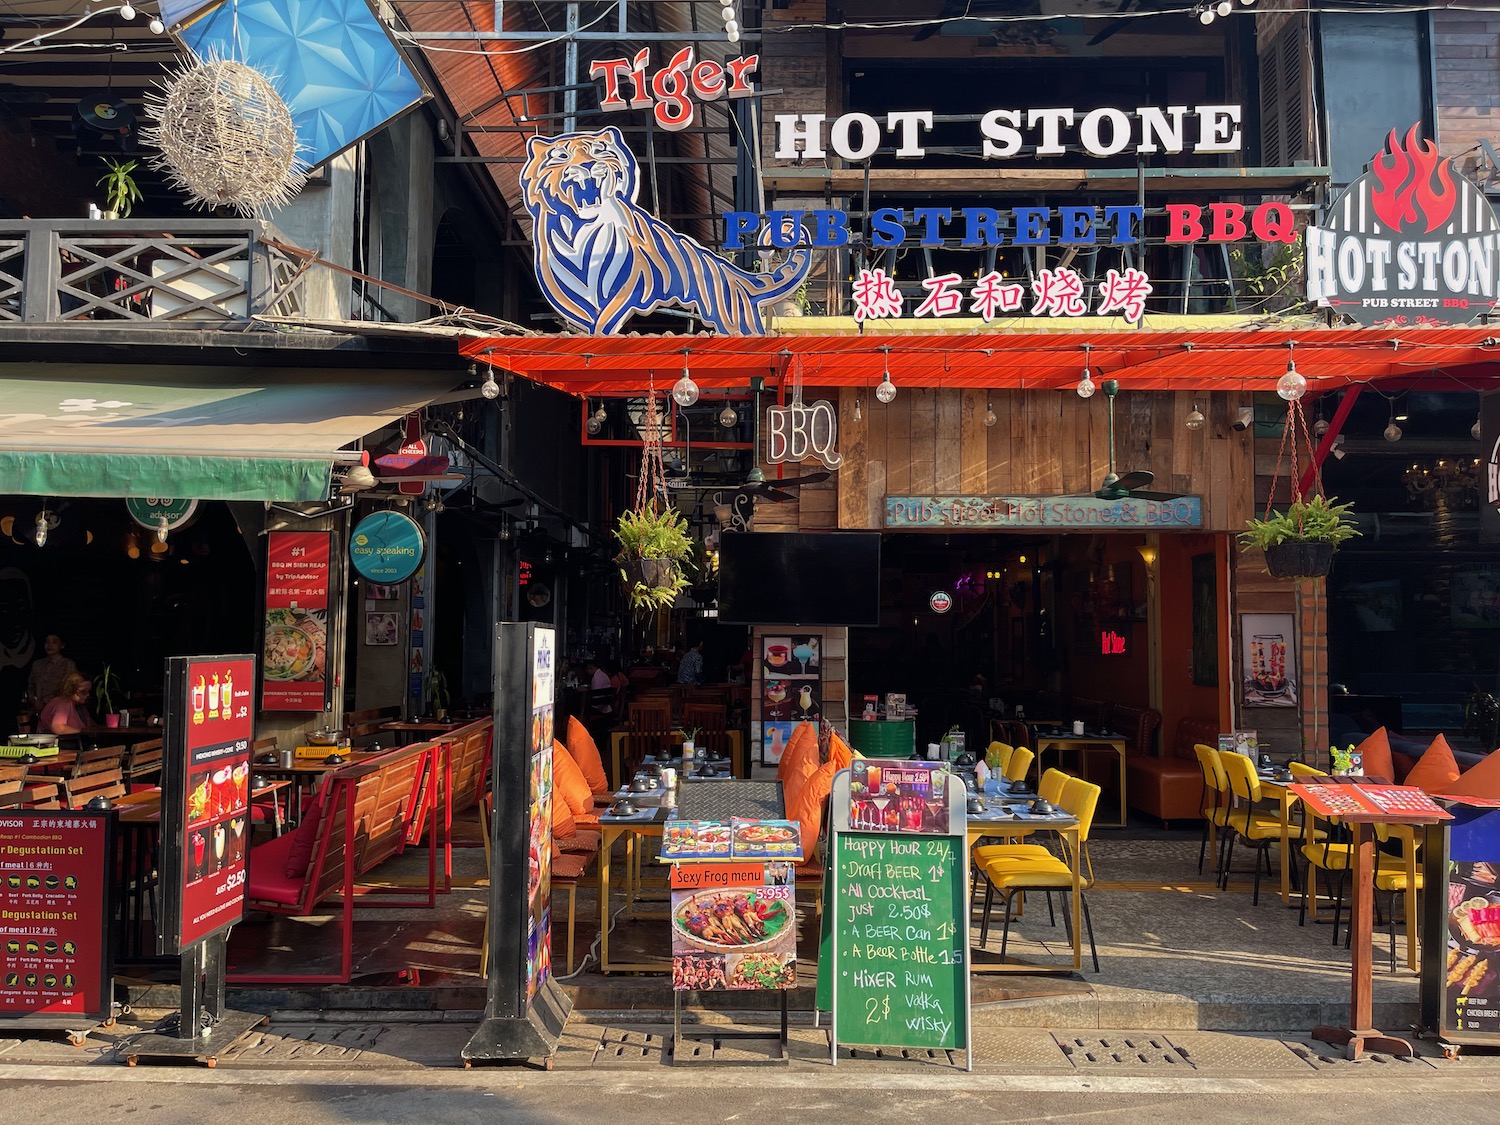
(653, 535)
(1315, 520)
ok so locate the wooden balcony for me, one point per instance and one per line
(199, 273)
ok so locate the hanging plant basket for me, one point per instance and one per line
(655, 574)
(1299, 558)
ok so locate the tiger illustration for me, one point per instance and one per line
(600, 258)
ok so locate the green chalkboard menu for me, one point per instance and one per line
(894, 967)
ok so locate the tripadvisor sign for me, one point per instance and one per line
(1410, 242)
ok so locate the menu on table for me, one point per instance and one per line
(734, 926)
(54, 915)
(1397, 802)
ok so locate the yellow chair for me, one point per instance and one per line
(1400, 875)
(1257, 829)
(1017, 868)
(1324, 849)
(1051, 791)
(1214, 803)
(1020, 762)
(997, 756)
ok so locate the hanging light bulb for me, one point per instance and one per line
(156, 26)
(1086, 385)
(727, 417)
(162, 528)
(886, 391)
(1206, 16)
(1476, 430)
(1320, 427)
(1392, 431)
(489, 388)
(1292, 385)
(989, 415)
(127, 12)
(601, 413)
(43, 526)
(593, 425)
(1224, 7)
(685, 391)
(1195, 419)
(858, 414)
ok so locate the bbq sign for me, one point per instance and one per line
(1411, 242)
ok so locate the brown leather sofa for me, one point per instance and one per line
(1170, 787)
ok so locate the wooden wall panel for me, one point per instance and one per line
(1044, 443)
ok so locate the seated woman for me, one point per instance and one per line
(66, 713)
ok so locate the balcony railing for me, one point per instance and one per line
(82, 271)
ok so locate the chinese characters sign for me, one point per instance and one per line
(1059, 292)
(54, 915)
(296, 639)
(207, 783)
(1066, 512)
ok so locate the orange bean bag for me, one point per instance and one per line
(1437, 769)
(1376, 751)
(1482, 779)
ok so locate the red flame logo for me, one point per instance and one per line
(1415, 184)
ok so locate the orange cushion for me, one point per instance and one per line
(839, 753)
(586, 754)
(1482, 779)
(268, 880)
(563, 824)
(1376, 749)
(804, 739)
(807, 806)
(568, 780)
(1436, 770)
(802, 768)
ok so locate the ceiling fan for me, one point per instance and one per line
(1133, 485)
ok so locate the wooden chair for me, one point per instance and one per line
(12, 777)
(711, 720)
(649, 726)
(362, 728)
(143, 765)
(99, 758)
(106, 782)
(33, 795)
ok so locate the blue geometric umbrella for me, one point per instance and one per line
(332, 61)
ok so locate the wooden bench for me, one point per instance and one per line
(362, 818)
(462, 774)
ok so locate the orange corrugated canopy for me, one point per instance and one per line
(1185, 360)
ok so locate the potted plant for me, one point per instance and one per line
(654, 544)
(121, 192)
(437, 694)
(1300, 542)
(689, 747)
(106, 685)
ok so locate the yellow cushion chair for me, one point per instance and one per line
(1018, 868)
(997, 756)
(1246, 822)
(1051, 791)
(1019, 764)
(1215, 802)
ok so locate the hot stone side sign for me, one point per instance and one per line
(1069, 512)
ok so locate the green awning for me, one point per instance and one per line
(204, 433)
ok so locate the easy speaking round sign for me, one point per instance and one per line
(386, 547)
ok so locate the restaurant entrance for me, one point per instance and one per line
(974, 624)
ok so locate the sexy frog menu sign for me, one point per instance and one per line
(54, 915)
(207, 784)
(539, 884)
(734, 926)
(296, 641)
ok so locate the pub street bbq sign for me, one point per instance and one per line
(1411, 242)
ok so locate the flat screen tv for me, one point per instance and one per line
(799, 578)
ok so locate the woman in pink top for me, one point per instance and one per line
(66, 713)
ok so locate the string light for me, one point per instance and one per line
(727, 417)
(685, 391)
(887, 389)
(156, 26)
(1476, 430)
(1392, 431)
(1086, 385)
(43, 526)
(162, 528)
(858, 414)
(489, 388)
(1293, 385)
(989, 415)
(1195, 419)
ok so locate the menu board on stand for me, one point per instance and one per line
(56, 958)
(205, 838)
(1461, 934)
(893, 966)
(525, 1008)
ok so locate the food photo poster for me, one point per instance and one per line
(1268, 659)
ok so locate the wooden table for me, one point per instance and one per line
(633, 831)
(618, 740)
(303, 773)
(1084, 742)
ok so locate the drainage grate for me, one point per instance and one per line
(1122, 1050)
(1323, 1056)
(626, 1046)
(308, 1043)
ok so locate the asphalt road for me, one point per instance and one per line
(179, 1096)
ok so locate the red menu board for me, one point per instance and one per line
(296, 628)
(209, 738)
(54, 915)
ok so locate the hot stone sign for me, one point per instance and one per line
(1065, 512)
(1412, 241)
